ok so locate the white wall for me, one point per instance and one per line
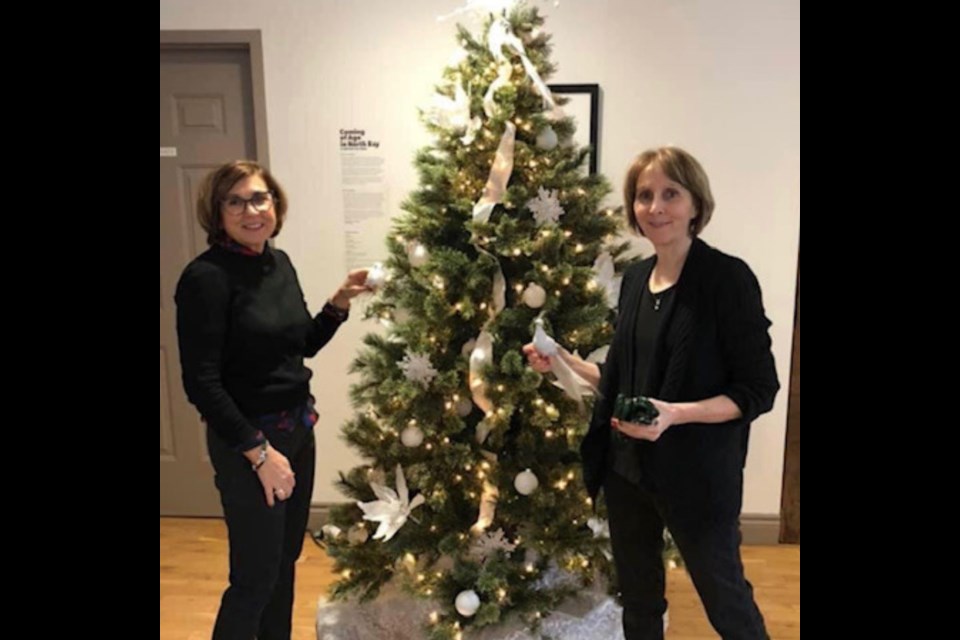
(721, 79)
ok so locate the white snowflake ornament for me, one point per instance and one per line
(546, 207)
(489, 543)
(418, 369)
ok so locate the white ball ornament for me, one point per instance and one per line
(418, 255)
(330, 531)
(464, 407)
(357, 535)
(534, 296)
(376, 276)
(547, 138)
(467, 603)
(411, 437)
(526, 482)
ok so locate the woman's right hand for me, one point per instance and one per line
(589, 371)
(353, 285)
(276, 476)
(535, 359)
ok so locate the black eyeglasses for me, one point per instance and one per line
(260, 201)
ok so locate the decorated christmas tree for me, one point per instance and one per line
(470, 496)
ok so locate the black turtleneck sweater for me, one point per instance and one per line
(244, 330)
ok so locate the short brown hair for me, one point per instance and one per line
(217, 185)
(681, 167)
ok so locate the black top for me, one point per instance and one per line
(654, 307)
(244, 330)
(714, 341)
(625, 452)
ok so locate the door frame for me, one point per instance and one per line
(245, 40)
(790, 489)
(248, 44)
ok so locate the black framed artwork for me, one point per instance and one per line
(584, 108)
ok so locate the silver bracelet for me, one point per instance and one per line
(261, 457)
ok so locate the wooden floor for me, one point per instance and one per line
(193, 574)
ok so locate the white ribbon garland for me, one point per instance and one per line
(502, 80)
(484, 7)
(480, 6)
(499, 175)
(607, 278)
(454, 114)
(501, 35)
(481, 357)
(488, 507)
(493, 192)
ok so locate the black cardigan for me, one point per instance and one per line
(716, 342)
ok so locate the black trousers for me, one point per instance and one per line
(265, 542)
(710, 549)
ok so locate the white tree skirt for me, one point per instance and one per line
(591, 615)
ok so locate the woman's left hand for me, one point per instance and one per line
(354, 285)
(652, 431)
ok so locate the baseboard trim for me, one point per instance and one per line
(319, 514)
(758, 529)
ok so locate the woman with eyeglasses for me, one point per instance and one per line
(692, 337)
(244, 330)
